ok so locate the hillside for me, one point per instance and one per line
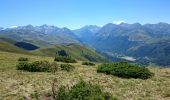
(76, 51)
(17, 84)
(15, 45)
(8, 47)
(158, 53)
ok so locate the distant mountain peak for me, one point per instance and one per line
(65, 30)
(91, 26)
(1, 28)
(87, 31)
(29, 25)
(118, 22)
(163, 23)
(110, 25)
(47, 26)
(13, 26)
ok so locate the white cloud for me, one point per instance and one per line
(117, 22)
(13, 26)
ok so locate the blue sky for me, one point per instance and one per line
(77, 13)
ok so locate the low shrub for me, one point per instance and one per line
(23, 66)
(66, 59)
(82, 91)
(38, 66)
(22, 59)
(88, 63)
(125, 70)
(62, 53)
(63, 56)
(67, 67)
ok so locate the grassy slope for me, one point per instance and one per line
(11, 41)
(8, 47)
(38, 43)
(74, 50)
(16, 84)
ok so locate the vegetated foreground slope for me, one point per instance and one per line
(15, 84)
(76, 51)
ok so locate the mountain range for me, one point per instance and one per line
(147, 44)
(40, 35)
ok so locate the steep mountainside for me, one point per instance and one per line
(86, 33)
(133, 40)
(158, 53)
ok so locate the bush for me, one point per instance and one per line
(66, 59)
(67, 67)
(22, 59)
(62, 56)
(62, 53)
(23, 66)
(82, 91)
(43, 66)
(38, 66)
(88, 63)
(125, 70)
